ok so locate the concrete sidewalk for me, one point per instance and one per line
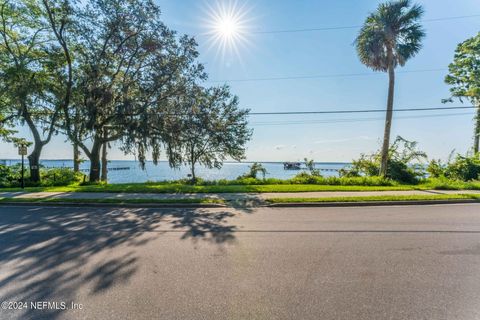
(223, 196)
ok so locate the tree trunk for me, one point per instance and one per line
(76, 158)
(34, 162)
(194, 178)
(95, 161)
(388, 116)
(104, 162)
(192, 163)
(476, 139)
(34, 157)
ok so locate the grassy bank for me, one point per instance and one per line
(355, 199)
(182, 188)
(261, 186)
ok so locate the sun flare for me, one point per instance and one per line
(228, 27)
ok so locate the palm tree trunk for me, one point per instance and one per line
(388, 116)
(476, 139)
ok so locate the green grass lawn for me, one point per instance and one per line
(182, 188)
(377, 198)
(355, 199)
(231, 187)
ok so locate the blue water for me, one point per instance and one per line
(125, 171)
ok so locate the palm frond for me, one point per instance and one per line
(393, 26)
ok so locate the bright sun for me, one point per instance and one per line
(227, 26)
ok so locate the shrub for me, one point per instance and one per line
(307, 178)
(60, 177)
(435, 169)
(310, 164)
(359, 181)
(401, 153)
(253, 171)
(462, 168)
(10, 176)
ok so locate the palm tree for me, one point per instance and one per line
(256, 168)
(389, 37)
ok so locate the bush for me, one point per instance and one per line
(310, 164)
(301, 178)
(463, 168)
(435, 169)
(60, 177)
(10, 176)
(307, 178)
(253, 171)
(401, 153)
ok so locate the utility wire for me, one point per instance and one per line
(358, 111)
(355, 26)
(334, 121)
(317, 76)
(335, 75)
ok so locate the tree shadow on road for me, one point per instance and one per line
(43, 251)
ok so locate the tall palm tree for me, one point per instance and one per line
(389, 37)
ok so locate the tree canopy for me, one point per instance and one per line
(104, 71)
(464, 71)
(208, 127)
(128, 66)
(32, 71)
(464, 79)
(392, 28)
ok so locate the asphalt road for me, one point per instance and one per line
(411, 262)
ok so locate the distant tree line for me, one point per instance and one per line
(105, 71)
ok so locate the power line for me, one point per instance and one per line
(354, 26)
(358, 111)
(335, 75)
(335, 121)
(317, 76)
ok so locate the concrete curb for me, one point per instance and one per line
(371, 203)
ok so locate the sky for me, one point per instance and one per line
(335, 79)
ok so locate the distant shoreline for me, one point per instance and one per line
(323, 162)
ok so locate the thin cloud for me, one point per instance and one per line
(343, 140)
